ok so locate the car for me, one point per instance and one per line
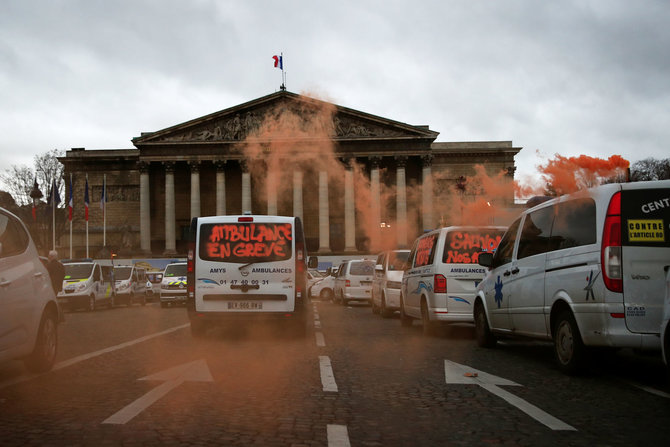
(247, 269)
(387, 280)
(84, 286)
(585, 271)
(665, 324)
(154, 284)
(354, 281)
(131, 285)
(173, 284)
(29, 311)
(323, 288)
(313, 276)
(438, 284)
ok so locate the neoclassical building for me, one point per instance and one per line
(359, 182)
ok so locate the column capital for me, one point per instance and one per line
(347, 162)
(194, 165)
(509, 171)
(375, 161)
(401, 161)
(220, 165)
(427, 160)
(169, 166)
(143, 166)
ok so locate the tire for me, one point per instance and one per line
(405, 320)
(91, 303)
(198, 329)
(569, 349)
(375, 308)
(46, 345)
(385, 311)
(429, 327)
(326, 294)
(483, 334)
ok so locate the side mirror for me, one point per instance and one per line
(485, 259)
(313, 262)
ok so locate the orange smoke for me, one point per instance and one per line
(565, 175)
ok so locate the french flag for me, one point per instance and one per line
(278, 62)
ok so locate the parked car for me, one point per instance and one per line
(173, 284)
(354, 281)
(323, 288)
(313, 276)
(665, 325)
(29, 312)
(387, 281)
(154, 284)
(438, 285)
(584, 270)
(84, 286)
(131, 285)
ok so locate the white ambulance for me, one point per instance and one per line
(246, 268)
(84, 286)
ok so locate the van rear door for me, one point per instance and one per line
(645, 243)
(245, 265)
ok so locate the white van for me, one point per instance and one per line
(173, 284)
(84, 286)
(438, 284)
(246, 268)
(131, 285)
(583, 270)
(665, 325)
(387, 280)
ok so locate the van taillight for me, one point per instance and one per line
(347, 283)
(610, 253)
(245, 219)
(440, 284)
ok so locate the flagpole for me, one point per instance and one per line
(53, 215)
(70, 203)
(86, 211)
(104, 210)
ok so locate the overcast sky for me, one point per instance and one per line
(568, 77)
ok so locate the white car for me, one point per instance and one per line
(29, 313)
(354, 281)
(387, 281)
(583, 270)
(323, 288)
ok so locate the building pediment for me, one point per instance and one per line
(238, 123)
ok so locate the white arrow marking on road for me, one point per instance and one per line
(196, 371)
(456, 373)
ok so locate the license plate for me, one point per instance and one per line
(244, 305)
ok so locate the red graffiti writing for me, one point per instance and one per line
(247, 250)
(423, 250)
(251, 232)
(464, 247)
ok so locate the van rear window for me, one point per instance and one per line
(646, 217)
(463, 247)
(243, 242)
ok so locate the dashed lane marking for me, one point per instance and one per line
(320, 341)
(338, 436)
(327, 376)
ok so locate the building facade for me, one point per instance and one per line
(359, 182)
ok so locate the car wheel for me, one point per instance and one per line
(373, 305)
(46, 345)
(429, 327)
(385, 311)
(569, 349)
(326, 294)
(198, 328)
(91, 303)
(405, 320)
(483, 334)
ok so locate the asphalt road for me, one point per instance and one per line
(134, 376)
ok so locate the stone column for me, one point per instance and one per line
(246, 187)
(220, 166)
(427, 193)
(271, 188)
(349, 209)
(401, 202)
(375, 203)
(145, 205)
(324, 218)
(170, 244)
(297, 194)
(195, 188)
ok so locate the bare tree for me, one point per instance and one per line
(19, 181)
(650, 169)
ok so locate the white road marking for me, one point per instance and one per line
(196, 371)
(456, 373)
(327, 376)
(317, 324)
(338, 436)
(649, 389)
(320, 341)
(90, 355)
